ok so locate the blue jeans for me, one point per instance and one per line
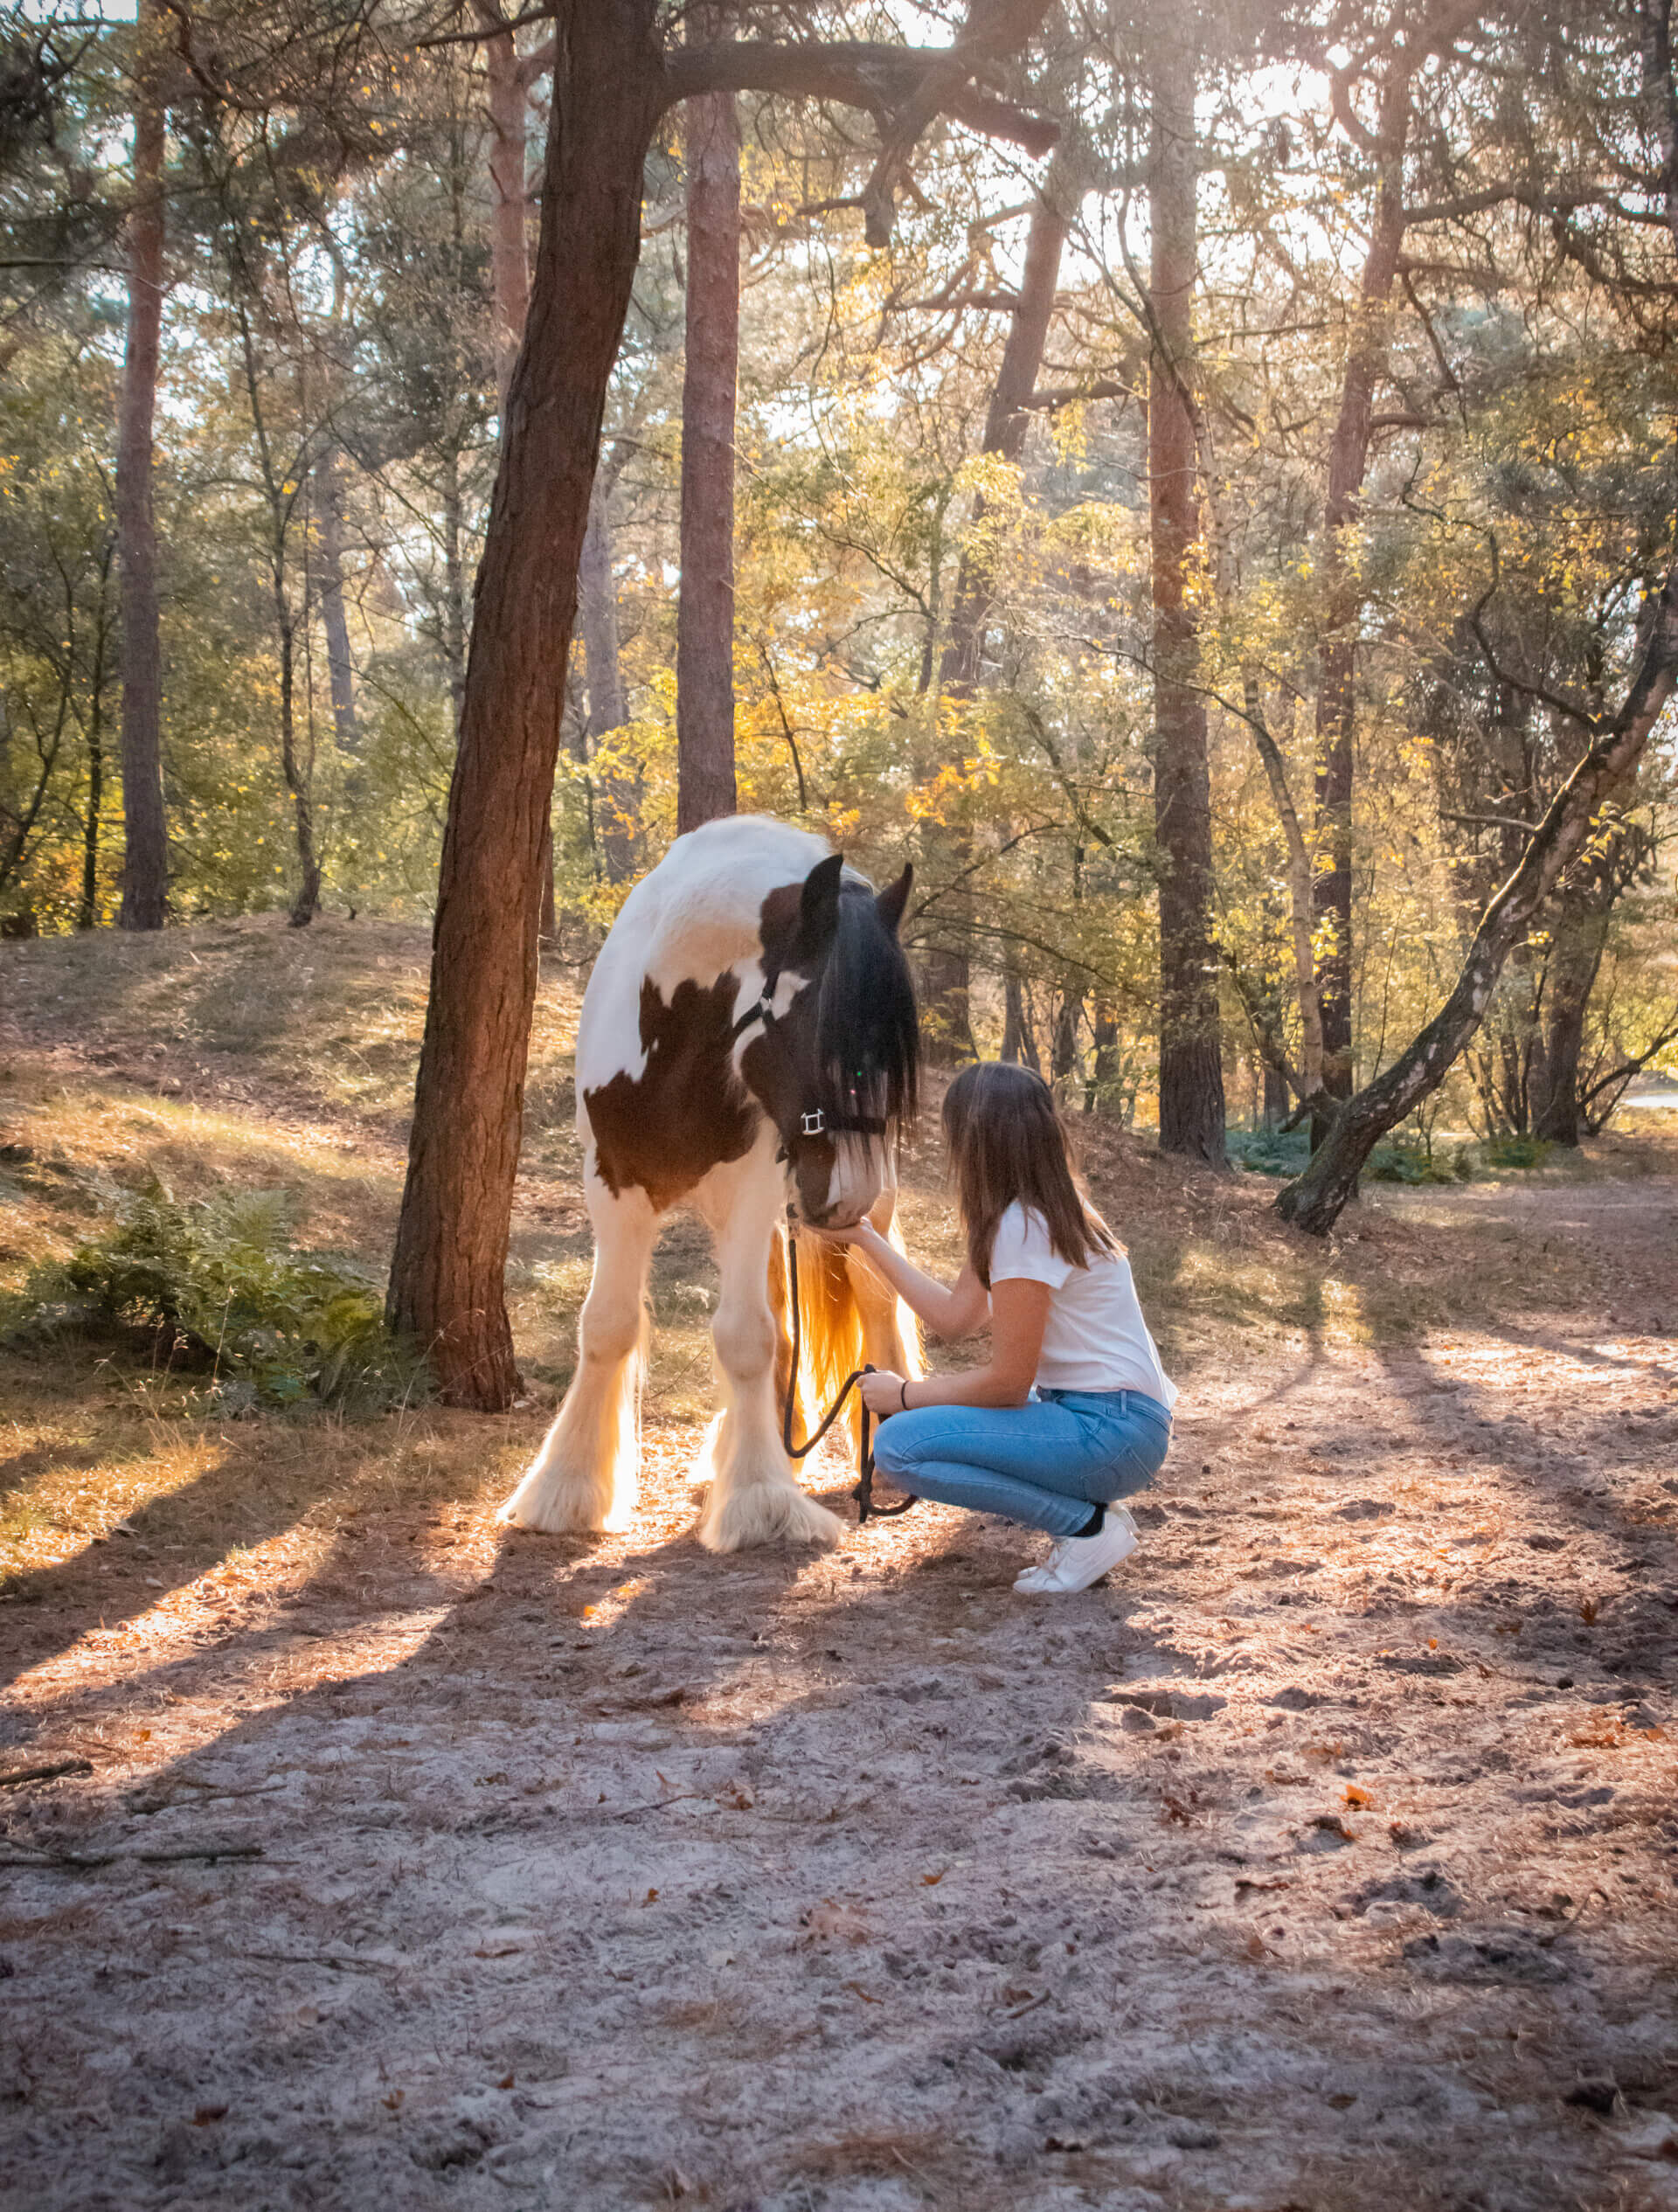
(1044, 1463)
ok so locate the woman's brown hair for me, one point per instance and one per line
(1008, 1145)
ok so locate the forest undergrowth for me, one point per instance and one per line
(1330, 1849)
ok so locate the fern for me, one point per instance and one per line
(216, 1285)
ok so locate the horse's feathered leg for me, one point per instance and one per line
(585, 1476)
(754, 1497)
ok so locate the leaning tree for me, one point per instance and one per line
(616, 72)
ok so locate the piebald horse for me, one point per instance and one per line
(748, 1039)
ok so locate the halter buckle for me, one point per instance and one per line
(814, 1123)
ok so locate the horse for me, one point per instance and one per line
(749, 1046)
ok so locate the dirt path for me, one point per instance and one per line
(1327, 1857)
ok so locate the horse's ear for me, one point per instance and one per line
(889, 903)
(818, 906)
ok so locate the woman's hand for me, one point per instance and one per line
(857, 1233)
(882, 1393)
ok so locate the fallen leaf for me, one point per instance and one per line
(506, 2082)
(1356, 1797)
(1254, 1948)
(1589, 1608)
(651, 1897)
(205, 2113)
(932, 1881)
(394, 2102)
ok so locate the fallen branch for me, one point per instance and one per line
(73, 1860)
(45, 1773)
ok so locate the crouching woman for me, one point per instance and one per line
(1073, 1411)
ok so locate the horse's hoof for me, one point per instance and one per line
(766, 1513)
(558, 1505)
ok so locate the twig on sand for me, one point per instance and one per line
(50, 1861)
(627, 1812)
(49, 1773)
(338, 1965)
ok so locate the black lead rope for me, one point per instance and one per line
(864, 1492)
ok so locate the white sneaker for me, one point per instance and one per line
(1077, 1562)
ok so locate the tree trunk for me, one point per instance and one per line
(1104, 1062)
(1557, 1110)
(620, 800)
(1063, 1057)
(510, 266)
(454, 622)
(298, 774)
(946, 970)
(341, 673)
(451, 1247)
(1349, 460)
(705, 625)
(1019, 1045)
(1299, 896)
(1315, 1199)
(87, 907)
(1278, 1098)
(145, 864)
(1191, 1072)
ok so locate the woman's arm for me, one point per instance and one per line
(948, 1311)
(1019, 1312)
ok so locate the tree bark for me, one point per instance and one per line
(87, 906)
(299, 772)
(341, 673)
(145, 863)
(1019, 1045)
(451, 1248)
(620, 799)
(1104, 1063)
(1315, 1199)
(1299, 896)
(704, 627)
(946, 970)
(1557, 1110)
(510, 265)
(1349, 460)
(1191, 1071)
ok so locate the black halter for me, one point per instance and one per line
(813, 1121)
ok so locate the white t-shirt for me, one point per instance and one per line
(1095, 1338)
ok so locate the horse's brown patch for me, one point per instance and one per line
(684, 1114)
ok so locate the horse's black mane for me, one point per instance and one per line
(867, 1030)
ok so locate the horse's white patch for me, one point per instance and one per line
(692, 919)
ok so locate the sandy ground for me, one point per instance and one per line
(1326, 1858)
(1328, 1854)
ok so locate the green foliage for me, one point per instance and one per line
(215, 1286)
(1406, 1156)
(1515, 1152)
(1267, 1151)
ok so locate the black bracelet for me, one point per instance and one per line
(903, 1394)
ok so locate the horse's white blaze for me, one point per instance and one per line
(858, 1176)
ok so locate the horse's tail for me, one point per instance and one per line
(848, 1316)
